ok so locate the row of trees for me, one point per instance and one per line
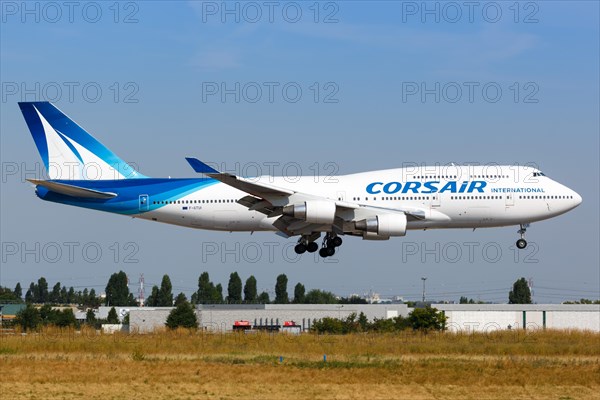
(421, 319)
(247, 293)
(117, 293)
(31, 318)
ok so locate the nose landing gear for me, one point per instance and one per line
(522, 243)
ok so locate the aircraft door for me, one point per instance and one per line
(510, 200)
(435, 200)
(144, 200)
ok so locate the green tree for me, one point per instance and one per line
(84, 298)
(316, 296)
(42, 291)
(55, 294)
(363, 321)
(427, 319)
(30, 294)
(48, 315)
(182, 316)
(66, 318)
(28, 318)
(7, 295)
(152, 300)
(165, 293)
(71, 298)
(64, 294)
(205, 293)
(463, 300)
(299, 293)
(117, 292)
(90, 317)
(180, 299)
(112, 317)
(250, 293)
(334, 326)
(234, 289)
(281, 294)
(263, 298)
(94, 301)
(217, 294)
(520, 293)
(18, 291)
(354, 299)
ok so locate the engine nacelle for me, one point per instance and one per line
(383, 225)
(374, 236)
(313, 211)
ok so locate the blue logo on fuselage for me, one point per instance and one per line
(425, 187)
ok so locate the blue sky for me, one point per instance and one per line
(354, 63)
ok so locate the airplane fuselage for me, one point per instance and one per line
(453, 197)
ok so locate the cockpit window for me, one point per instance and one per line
(540, 173)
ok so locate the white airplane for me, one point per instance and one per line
(373, 205)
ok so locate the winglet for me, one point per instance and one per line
(201, 167)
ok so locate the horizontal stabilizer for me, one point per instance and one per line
(72, 190)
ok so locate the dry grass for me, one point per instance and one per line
(180, 365)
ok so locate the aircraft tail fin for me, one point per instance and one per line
(67, 150)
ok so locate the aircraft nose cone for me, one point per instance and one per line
(576, 199)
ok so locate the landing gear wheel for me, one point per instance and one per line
(312, 247)
(323, 252)
(300, 248)
(336, 241)
(522, 243)
(330, 251)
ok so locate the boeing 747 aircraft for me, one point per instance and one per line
(373, 205)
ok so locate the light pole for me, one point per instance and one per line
(423, 279)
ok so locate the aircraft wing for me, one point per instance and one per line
(258, 189)
(271, 199)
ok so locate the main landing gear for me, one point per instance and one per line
(330, 242)
(304, 245)
(522, 243)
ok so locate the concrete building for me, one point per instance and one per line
(461, 317)
(147, 319)
(221, 317)
(490, 317)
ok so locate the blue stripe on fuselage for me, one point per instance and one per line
(128, 192)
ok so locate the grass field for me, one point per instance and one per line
(57, 364)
